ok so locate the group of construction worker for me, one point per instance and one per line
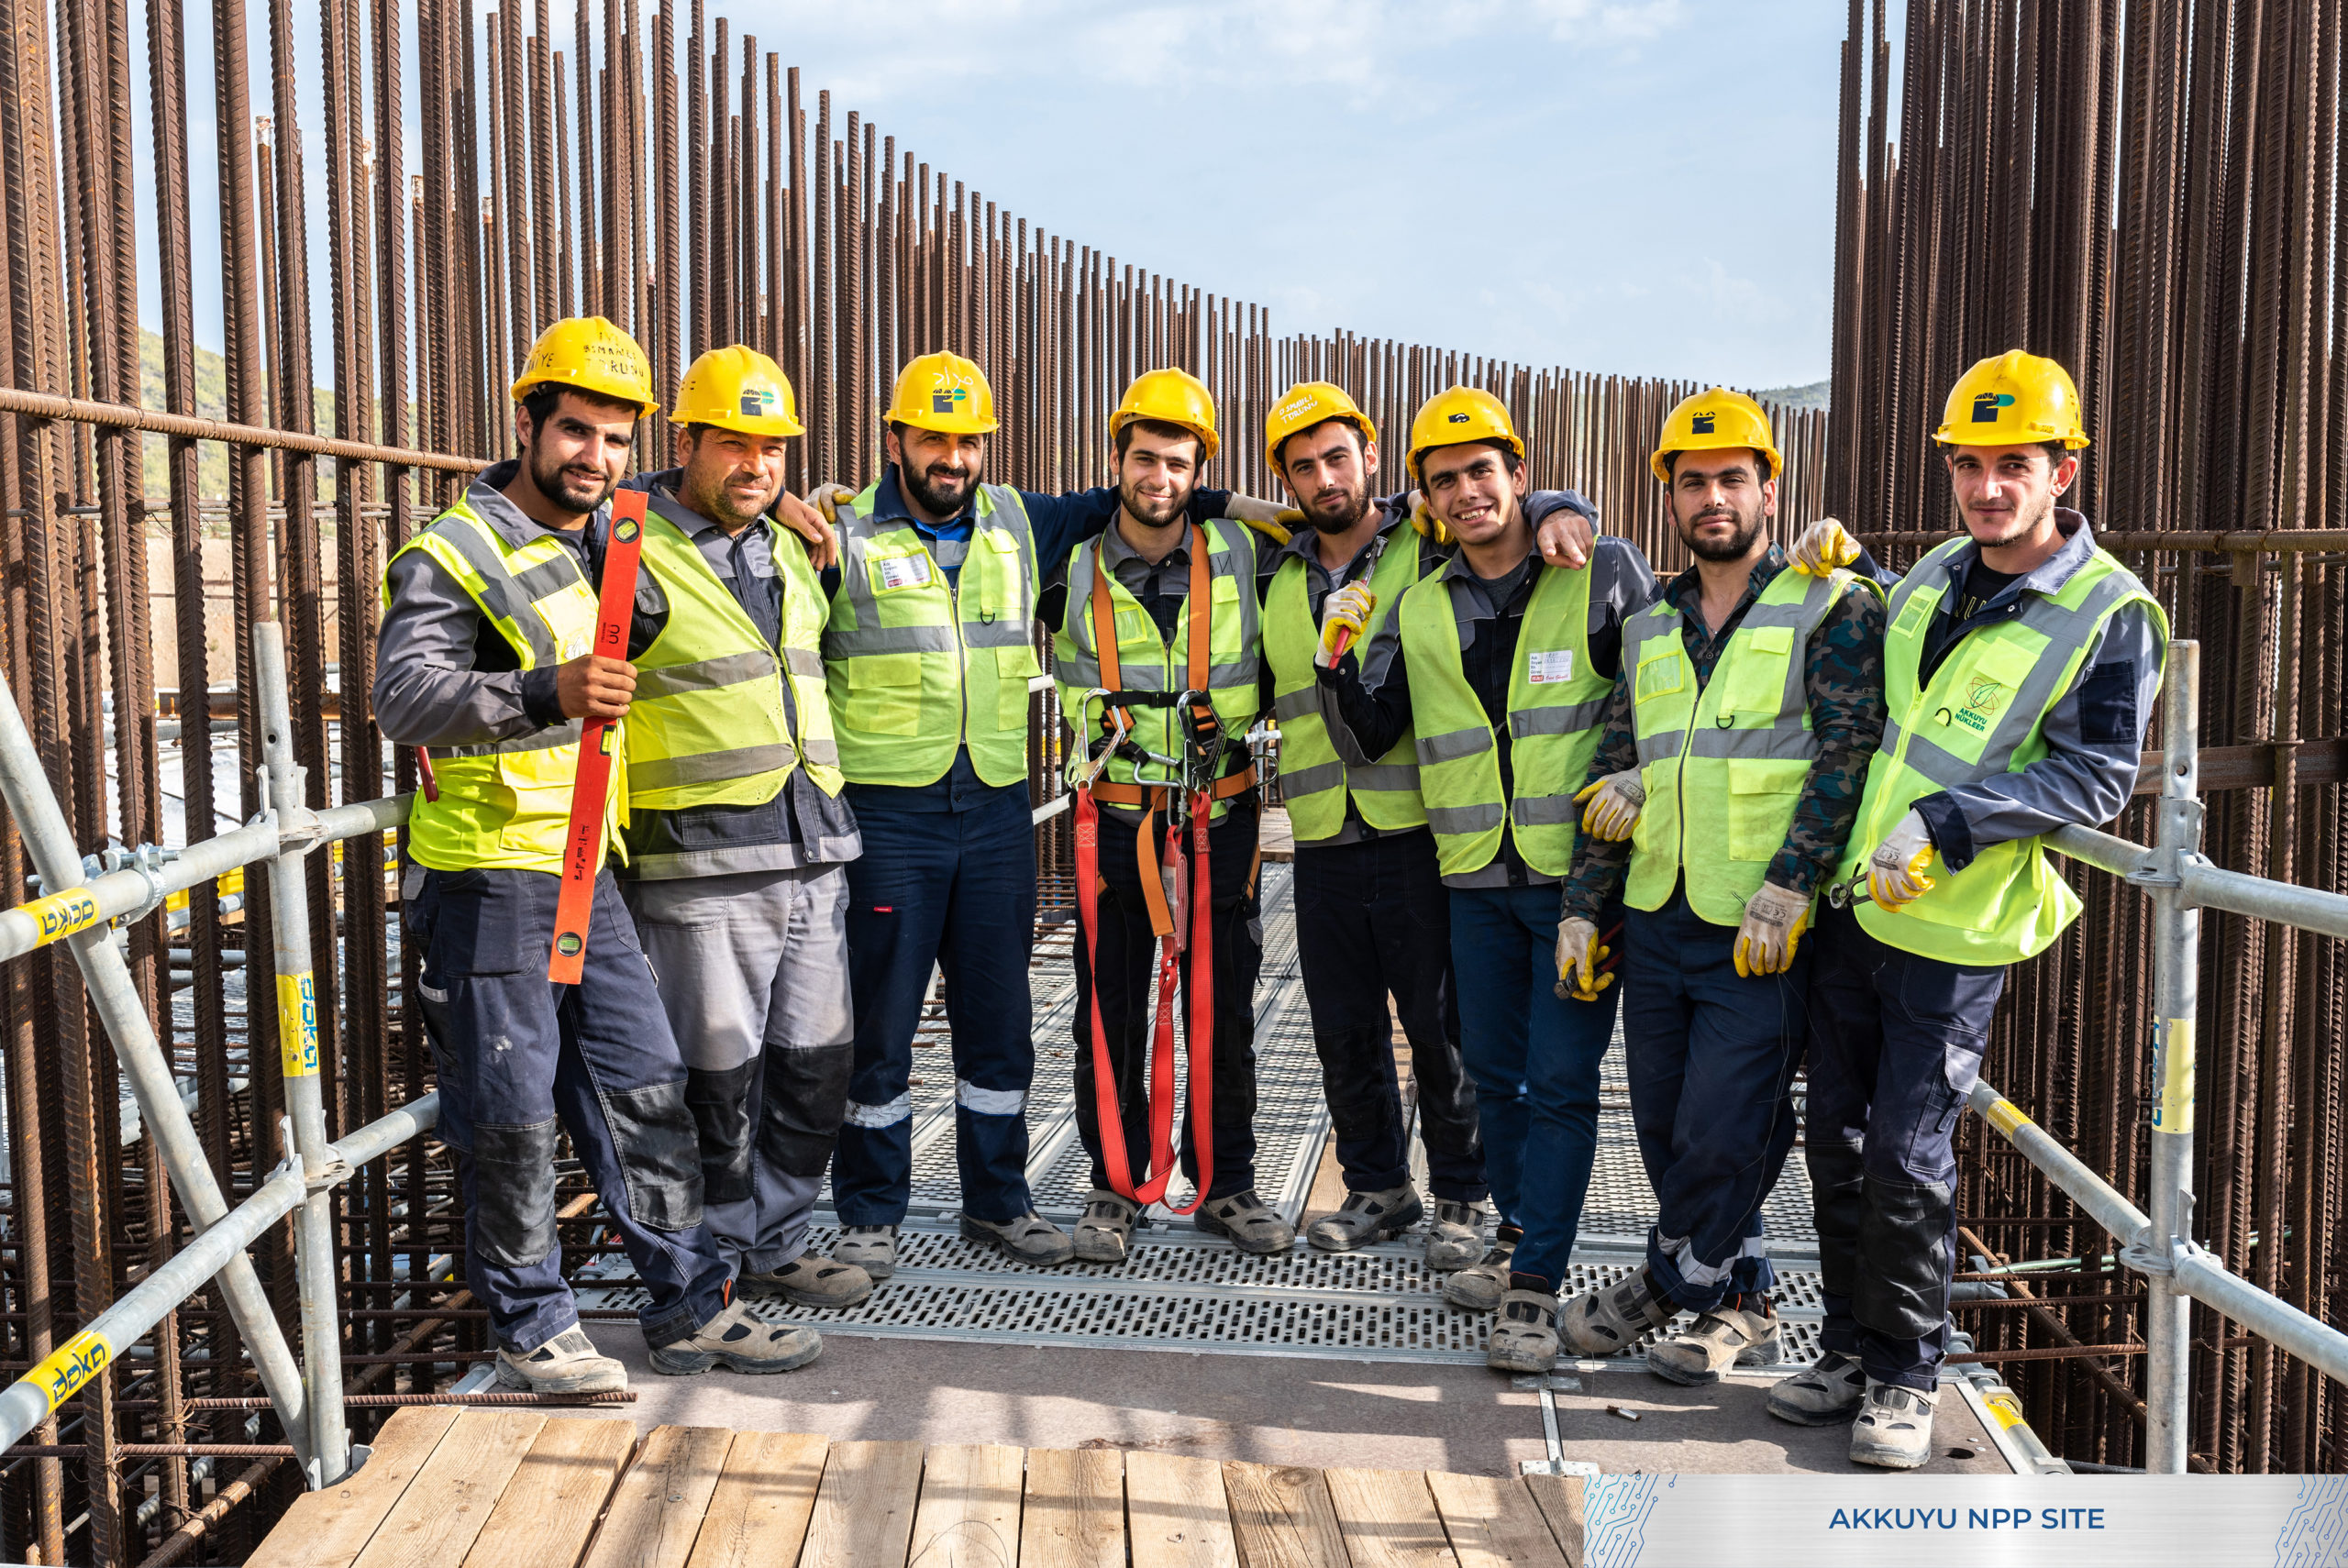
(1783, 809)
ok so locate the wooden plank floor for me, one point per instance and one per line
(521, 1489)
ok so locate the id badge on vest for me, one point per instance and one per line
(894, 574)
(1549, 667)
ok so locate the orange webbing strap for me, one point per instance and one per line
(1104, 627)
(1138, 796)
(583, 841)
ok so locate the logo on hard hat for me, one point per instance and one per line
(756, 401)
(948, 402)
(1456, 419)
(1985, 406)
(1701, 424)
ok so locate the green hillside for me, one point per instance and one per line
(1817, 394)
(211, 402)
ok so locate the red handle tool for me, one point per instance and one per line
(583, 841)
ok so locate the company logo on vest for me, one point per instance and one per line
(1983, 697)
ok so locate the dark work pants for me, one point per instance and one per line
(1534, 1057)
(1712, 1055)
(519, 1055)
(1125, 955)
(955, 889)
(1373, 919)
(1895, 1048)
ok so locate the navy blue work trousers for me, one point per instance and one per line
(1373, 920)
(520, 1059)
(1711, 1057)
(1534, 1058)
(1895, 1049)
(953, 890)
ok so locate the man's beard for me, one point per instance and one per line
(1734, 549)
(566, 490)
(717, 504)
(1154, 514)
(1350, 507)
(939, 500)
(2022, 525)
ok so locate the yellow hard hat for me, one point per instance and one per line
(943, 392)
(1304, 405)
(1457, 415)
(2012, 399)
(591, 355)
(738, 389)
(1710, 421)
(1172, 396)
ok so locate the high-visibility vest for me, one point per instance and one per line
(1983, 713)
(917, 670)
(1145, 661)
(1723, 767)
(505, 805)
(707, 725)
(1556, 704)
(1313, 779)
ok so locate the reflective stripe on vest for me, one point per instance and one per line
(918, 670)
(1983, 713)
(1723, 767)
(505, 805)
(1313, 779)
(1555, 702)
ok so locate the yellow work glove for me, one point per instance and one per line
(1428, 525)
(827, 498)
(1616, 802)
(1823, 545)
(1346, 611)
(1774, 922)
(1270, 518)
(1579, 953)
(1896, 869)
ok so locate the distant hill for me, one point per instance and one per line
(1817, 394)
(211, 402)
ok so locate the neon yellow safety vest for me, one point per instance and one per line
(707, 725)
(918, 670)
(1556, 704)
(1148, 662)
(1313, 780)
(1983, 713)
(1723, 767)
(505, 805)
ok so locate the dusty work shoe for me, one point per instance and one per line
(1366, 1218)
(1479, 1286)
(809, 1282)
(1524, 1335)
(1030, 1238)
(740, 1343)
(1828, 1394)
(1106, 1230)
(1455, 1236)
(1894, 1428)
(1730, 1335)
(1249, 1223)
(872, 1248)
(1610, 1319)
(567, 1363)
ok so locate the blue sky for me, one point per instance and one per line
(1638, 186)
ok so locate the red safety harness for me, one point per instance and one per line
(1183, 886)
(582, 840)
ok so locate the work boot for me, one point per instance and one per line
(872, 1248)
(1731, 1334)
(1244, 1218)
(1610, 1319)
(1030, 1238)
(1524, 1335)
(1366, 1218)
(567, 1363)
(1894, 1428)
(1479, 1286)
(1827, 1395)
(809, 1282)
(1106, 1231)
(1455, 1237)
(740, 1343)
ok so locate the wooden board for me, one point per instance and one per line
(1176, 1513)
(548, 1509)
(758, 1513)
(1387, 1519)
(1493, 1522)
(329, 1528)
(1282, 1517)
(1075, 1513)
(864, 1510)
(656, 1509)
(968, 1515)
(437, 1519)
(1560, 1499)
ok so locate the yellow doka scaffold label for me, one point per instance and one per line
(2172, 1071)
(62, 914)
(298, 1024)
(72, 1364)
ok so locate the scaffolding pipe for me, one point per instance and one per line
(2176, 981)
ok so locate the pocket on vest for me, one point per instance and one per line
(885, 694)
(1761, 794)
(1014, 668)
